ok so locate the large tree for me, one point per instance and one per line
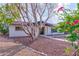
(31, 13)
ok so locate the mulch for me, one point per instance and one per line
(51, 47)
(9, 48)
(23, 40)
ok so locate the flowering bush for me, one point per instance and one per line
(70, 25)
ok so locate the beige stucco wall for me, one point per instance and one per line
(14, 33)
(47, 30)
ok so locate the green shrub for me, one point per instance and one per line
(3, 30)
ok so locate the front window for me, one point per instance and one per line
(18, 28)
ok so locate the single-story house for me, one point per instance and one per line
(15, 30)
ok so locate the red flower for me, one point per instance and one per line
(76, 21)
(73, 24)
(67, 22)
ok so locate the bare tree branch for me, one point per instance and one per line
(31, 13)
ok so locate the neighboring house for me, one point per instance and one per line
(15, 30)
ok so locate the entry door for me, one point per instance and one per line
(42, 31)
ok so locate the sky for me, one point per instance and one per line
(71, 6)
(55, 18)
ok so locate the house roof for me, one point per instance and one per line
(26, 23)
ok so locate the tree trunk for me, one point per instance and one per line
(35, 33)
